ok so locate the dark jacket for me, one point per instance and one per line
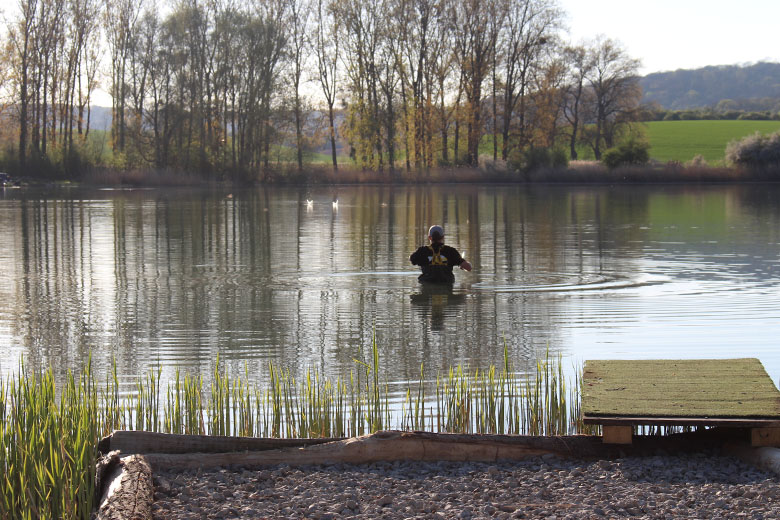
(436, 262)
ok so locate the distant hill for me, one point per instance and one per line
(752, 87)
(100, 118)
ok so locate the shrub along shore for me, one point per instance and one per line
(49, 435)
(577, 172)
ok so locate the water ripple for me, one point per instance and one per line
(568, 282)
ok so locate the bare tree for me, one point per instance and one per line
(474, 44)
(21, 35)
(327, 52)
(614, 83)
(81, 59)
(298, 23)
(442, 68)
(419, 30)
(580, 64)
(529, 26)
(361, 27)
(121, 17)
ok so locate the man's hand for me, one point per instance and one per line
(465, 265)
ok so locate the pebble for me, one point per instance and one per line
(689, 486)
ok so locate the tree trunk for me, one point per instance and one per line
(298, 129)
(332, 136)
(444, 144)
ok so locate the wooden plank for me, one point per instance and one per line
(393, 446)
(765, 437)
(682, 421)
(710, 388)
(132, 441)
(617, 434)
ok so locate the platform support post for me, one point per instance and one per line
(765, 436)
(617, 434)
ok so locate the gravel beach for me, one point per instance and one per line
(701, 485)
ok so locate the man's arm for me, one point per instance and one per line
(415, 258)
(459, 260)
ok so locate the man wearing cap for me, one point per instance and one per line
(437, 260)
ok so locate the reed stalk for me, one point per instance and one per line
(48, 448)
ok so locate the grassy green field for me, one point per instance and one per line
(683, 140)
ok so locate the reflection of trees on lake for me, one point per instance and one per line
(181, 277)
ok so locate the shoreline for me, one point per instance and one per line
(583, 173)
(701, 475)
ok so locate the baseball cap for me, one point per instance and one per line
(436, 232)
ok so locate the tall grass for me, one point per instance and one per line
(48, 446)
(48, 436)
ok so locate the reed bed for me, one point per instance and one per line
(48, 436)
(48, 445)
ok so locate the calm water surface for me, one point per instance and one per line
(177, 277)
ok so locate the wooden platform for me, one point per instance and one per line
(621, 394)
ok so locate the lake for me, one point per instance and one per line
(176, 278)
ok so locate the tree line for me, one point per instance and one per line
(223, 87)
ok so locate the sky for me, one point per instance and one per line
(668, 34)
(681, 34)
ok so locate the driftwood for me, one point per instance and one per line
(381, 446)
(129, 491)
(184, 451)
(131, 441)
(422, 446)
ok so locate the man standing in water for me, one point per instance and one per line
(437, 260)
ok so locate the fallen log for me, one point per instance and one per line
(132, 441)
(129, 491)
(186, 451)
(393, 446)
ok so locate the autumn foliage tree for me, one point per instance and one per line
(239, 89)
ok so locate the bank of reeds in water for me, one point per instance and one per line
(48, 446)
(48, 436)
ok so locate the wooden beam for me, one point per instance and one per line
(393, 446)
(617, 434)
(730, 422)
(133, 441)
(397, 445)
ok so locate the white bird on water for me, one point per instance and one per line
(336, 204)
(309, 203)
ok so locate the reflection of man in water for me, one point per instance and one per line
(434, 299)
(437, 260)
